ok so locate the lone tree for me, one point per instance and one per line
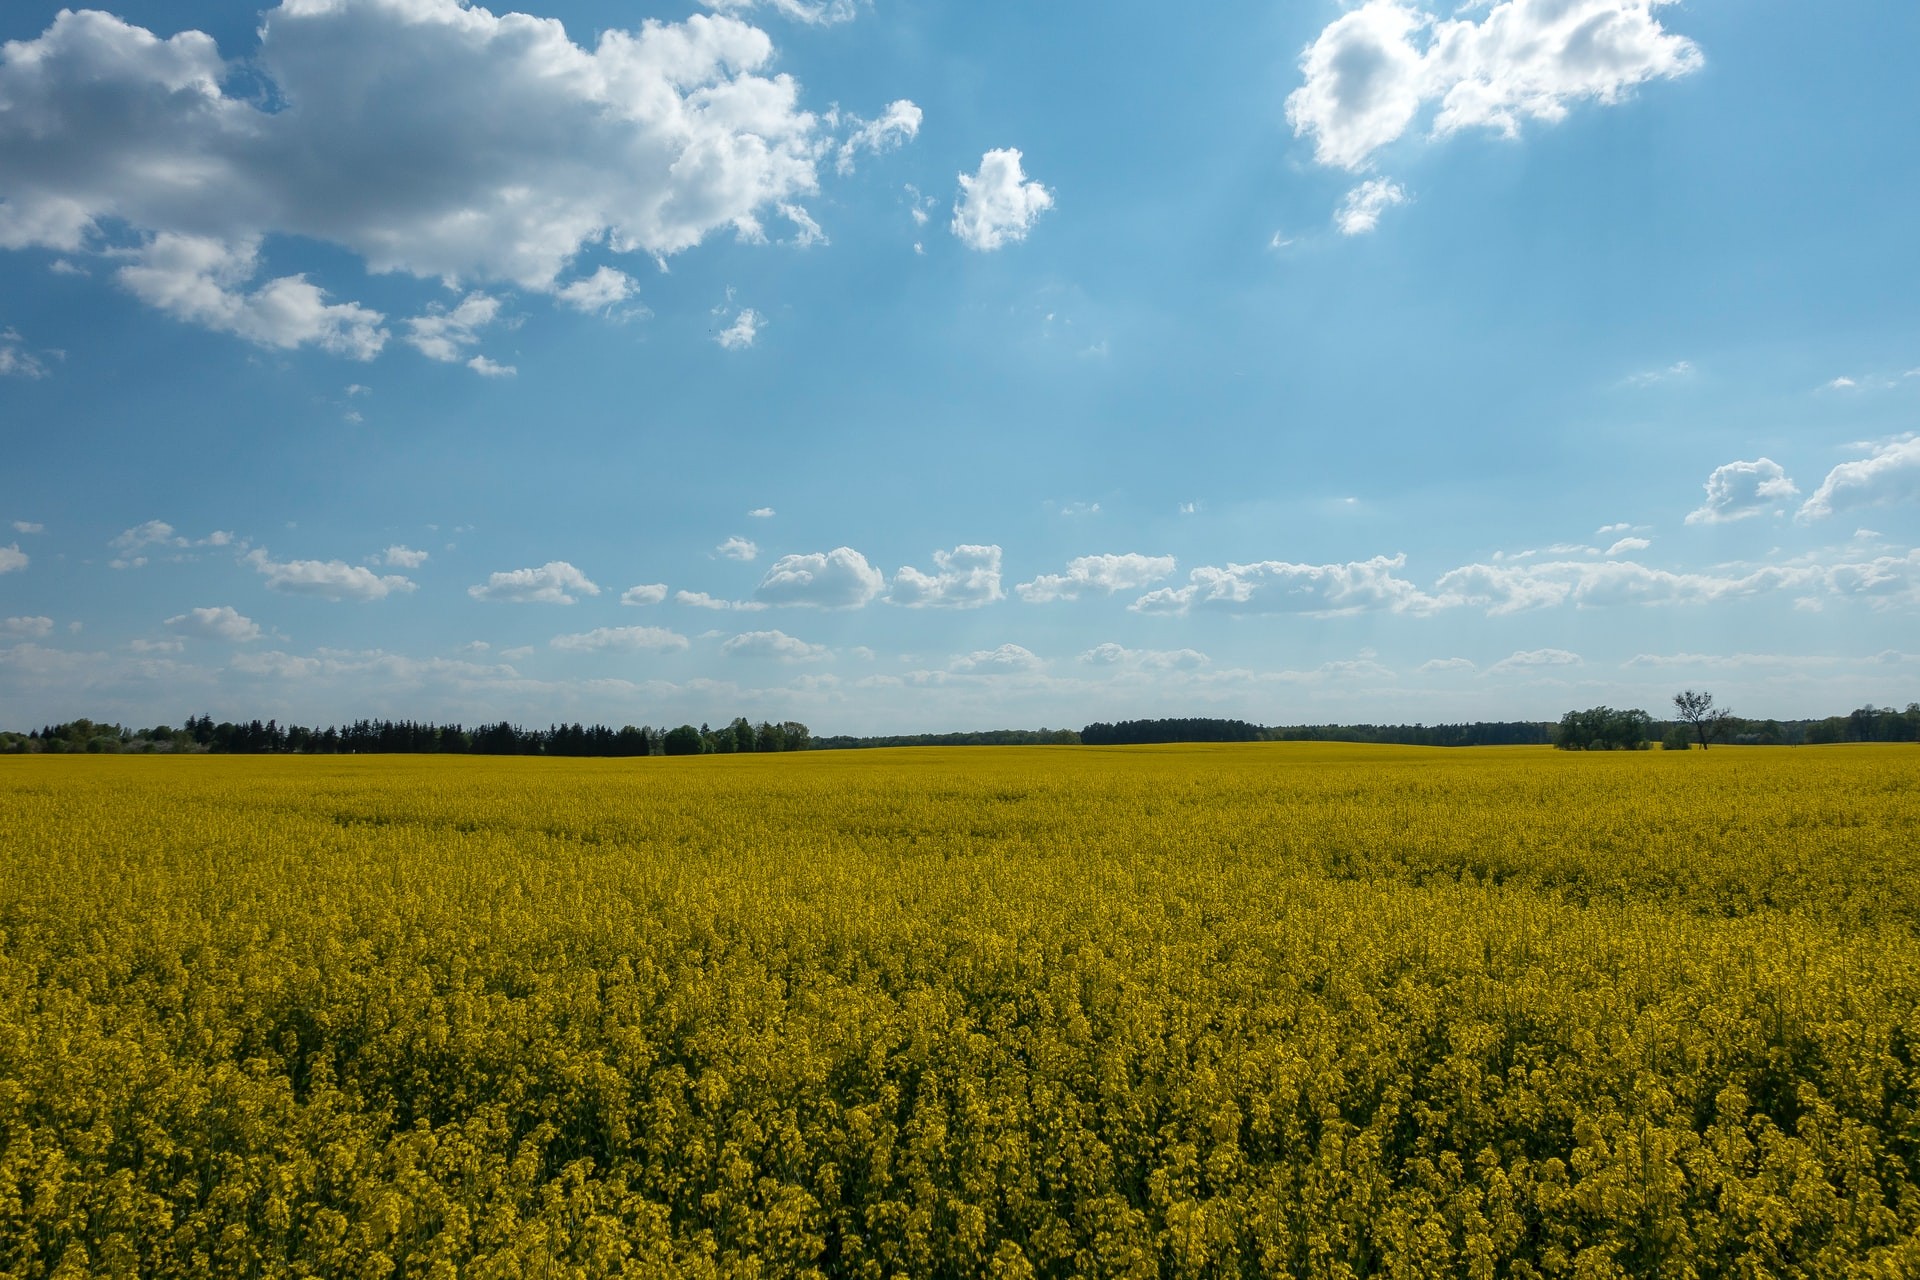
(1697, 710)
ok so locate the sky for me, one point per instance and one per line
(916, 367)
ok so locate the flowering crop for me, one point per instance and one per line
(1258, 1010)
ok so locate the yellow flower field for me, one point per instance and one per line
(1263, 1010)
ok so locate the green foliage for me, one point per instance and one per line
(1264, 1010)
(1603, 729)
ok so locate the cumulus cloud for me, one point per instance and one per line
(1882, 581)
(812, 12)
(1527, 659)
(1432, 665)
(487, 367)
(601, 292)
(701, 600)
(998, 204)
(403, 557)
(740, 335)
(1741, 489)
(1278, 586)
(964, 578)
(464, 146)
(644, 594)
(12, 558)
(445, 333)
(1515, 588)
(1008, 659)
(328, 579)
(1111, 654)
(1360, 212)
(1624, 545)
(737, 548)
(221, 623)
(837, 579)
(15, 360)
(772, 644)
(1891, 474)
(204, 280)
(761, 513)
(36, 627)
(1373, 70)
(28, 526)
(898, 125)
(1109, 573)
(623, 640)
(555, 582)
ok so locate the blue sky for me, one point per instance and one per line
(922, 367)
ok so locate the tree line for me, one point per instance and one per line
(1699, 721)
(1594, 729)
(411, 737)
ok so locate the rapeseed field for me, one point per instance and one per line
(1266, 1010)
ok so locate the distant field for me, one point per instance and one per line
(1225, 1011)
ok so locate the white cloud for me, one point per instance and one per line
(1678, 369)
(1515, 588)
(403, 557)
(1891, 474)
(15, 360)
(158, 533)
(1741, 489)
(1360, 212)
(28, 526)
(1628, 544)
(1278, 586)
(812, 12)
(898, 125)
(1842, 383)
(1372, 70)
(204, 280)
(644, 594)
(622, 639)
(1117, 655)
(701, 600)
(600, 292)
(35, 627)
(555, 582)
(837, 579)
(463, 146)
(222, 623)
(1008, 659)
(964, 578)
(997, 205)
(737, 548)
(12, 558)
(741, 333)
(489, 368)
(329, 579)
(445, 334)
(1881, 581)
(1109, 573)
(1433, 665)
(1527, 659)
(806, 232)
(772, 644)
(152, 533)
(761, 513)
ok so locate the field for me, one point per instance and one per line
(1260, 1010)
